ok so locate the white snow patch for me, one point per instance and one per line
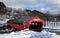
(29, 34)
(3, 21)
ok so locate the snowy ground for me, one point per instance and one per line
(30, 34)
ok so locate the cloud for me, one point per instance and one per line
(54, 3)
(17, 3)
(34, 4)
(53, 6)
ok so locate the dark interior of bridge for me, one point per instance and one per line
(36, 26)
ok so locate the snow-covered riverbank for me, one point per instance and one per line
(30, 34)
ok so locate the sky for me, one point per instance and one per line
(41, 5)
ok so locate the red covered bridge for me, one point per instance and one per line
(35, 23)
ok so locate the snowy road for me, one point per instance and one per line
(30, 34)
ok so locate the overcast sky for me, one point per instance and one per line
(33, 4)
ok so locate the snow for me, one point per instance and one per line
(29, 34)
(3, 21)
